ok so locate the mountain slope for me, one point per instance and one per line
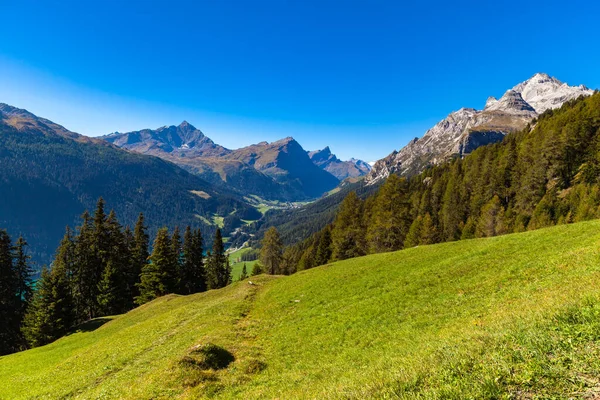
(278, 170)
(505, 317)
(466, 129)
(50, 175)
(352, 168)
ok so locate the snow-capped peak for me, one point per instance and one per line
(544, 92)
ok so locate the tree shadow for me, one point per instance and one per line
(91, 325)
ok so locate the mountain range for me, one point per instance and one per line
(50, 175)
(464, 130)
(281, 170)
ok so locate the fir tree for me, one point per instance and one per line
(348, 233)
(256, 269)
(157, 277)
(413, 237)
(51, 312)
(192, 276)
(218, 272)
(271, 252)
(429, 233)
(9, 303)
(323, 254)
(244, 273)
(178, 260)
(389, 222)
(85, 276)
(112, 289)
(139, 256)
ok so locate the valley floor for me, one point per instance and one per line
(516, 316)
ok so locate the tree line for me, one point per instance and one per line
(539, 177)
(102, 268)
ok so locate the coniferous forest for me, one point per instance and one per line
(544, 175)
(100, 269)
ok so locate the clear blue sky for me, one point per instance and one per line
(361, 76)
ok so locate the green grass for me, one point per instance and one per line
(516, 316)
(236, 267)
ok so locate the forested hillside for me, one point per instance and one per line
(546, 174)
(48, 180)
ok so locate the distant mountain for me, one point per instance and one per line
(466, 129)
(287, 163)
(278, 171)
(340, 169)
(183, 140)
(50, 175)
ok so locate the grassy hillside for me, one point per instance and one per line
(515, 316)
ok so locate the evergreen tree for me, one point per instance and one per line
(177, 251)
(256, 269)
(85, 276)
(413, 237)
(244, 273)
(390, 218)
(158, 276)
(51, 312)
(323, 254)
(271, 252)
(112, 289)
(489, 218)
(348, 233)
(192, 276)
(218, 271)
(9, 303)
(139, 256)
(24, 272)
(429, 233)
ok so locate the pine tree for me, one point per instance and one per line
(488, 220)
(85, 276)
(271, 252)
(177, 250)
(244, 273)
(9, 303)
(111, 291)
(24, 273)
(139, 256)
(192, 276)
(324, 248)
(389, 222)
(50, 314)
(157, 277)
(256, 269)
(218, 272)
(348, 233)
(429, 233)
(413, 237)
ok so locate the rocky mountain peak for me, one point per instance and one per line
(511, 102)
(490, 101)
(464, 130)
(544, 92)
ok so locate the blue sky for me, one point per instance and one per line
(363, 77)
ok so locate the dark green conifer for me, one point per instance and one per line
(348, 233)
(158, 276)
(218, 272)
(271, 252)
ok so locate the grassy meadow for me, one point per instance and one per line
(516, 316)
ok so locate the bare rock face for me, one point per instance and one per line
(466, 129)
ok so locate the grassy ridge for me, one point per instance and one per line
(505, 317)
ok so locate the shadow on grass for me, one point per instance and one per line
(91, 325)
